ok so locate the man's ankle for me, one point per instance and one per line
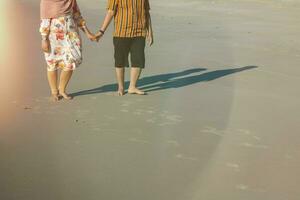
(132, 87)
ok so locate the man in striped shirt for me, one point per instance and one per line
(132, 26)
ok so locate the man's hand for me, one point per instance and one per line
(98, 36)
(46, 45)
(150, 38)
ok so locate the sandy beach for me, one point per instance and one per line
(220, 121)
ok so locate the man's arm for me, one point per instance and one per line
(150, 37)
(109, 16)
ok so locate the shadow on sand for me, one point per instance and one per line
(169, 80)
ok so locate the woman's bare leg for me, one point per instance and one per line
(65, 77)
(52, 79)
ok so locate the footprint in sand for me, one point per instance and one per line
(233, 166)
(173, 143)
(248, 133)
(37, 100)
(151, 120)
(126, 103)
(150, 111)
(137, 112)
(183, 157)
(139, 100)
(82, 113)
(243, 132)
(50, 112)
(169, 119)
(212, 130)
(255, 146)
(109, 117)
(96, 129)
(244, 187)
(77, 142)
(166, 124)
(174, 118)
(289, 157)
(36, 110)
(256, 138)
(138, 141)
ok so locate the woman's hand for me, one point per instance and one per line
(91, 36)
(88, 33)
(46, 45)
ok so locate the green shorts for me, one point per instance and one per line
(133, 46)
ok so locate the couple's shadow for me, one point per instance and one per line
(170, 80)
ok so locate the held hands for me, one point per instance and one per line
(92, 37)
(99, 35)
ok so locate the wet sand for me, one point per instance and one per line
(221, 120)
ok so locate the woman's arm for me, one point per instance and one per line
(81, 23)
(45, 31)
(112, 7)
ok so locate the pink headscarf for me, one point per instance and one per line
(57, 8)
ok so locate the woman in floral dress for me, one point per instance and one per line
(61, 42)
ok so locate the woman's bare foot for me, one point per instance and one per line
(136, 91)
(65, 96)
(54, 96)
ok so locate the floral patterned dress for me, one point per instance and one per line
(65, 41)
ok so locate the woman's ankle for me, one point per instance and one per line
(54, 91)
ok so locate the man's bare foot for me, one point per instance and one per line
(136, 91)
(65, 96)
(120, 92)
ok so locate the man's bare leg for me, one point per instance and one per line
(134, 77)
(52, 79)
(120, 73)
(65, 77)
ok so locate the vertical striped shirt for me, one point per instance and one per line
(130, 17)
